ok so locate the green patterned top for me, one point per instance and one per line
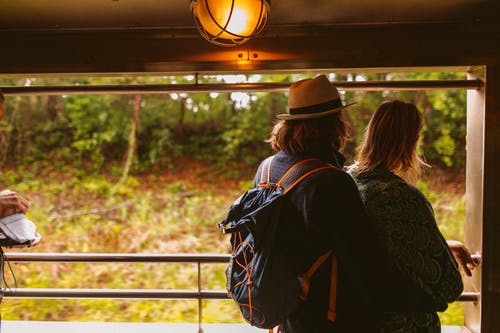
(404, 220)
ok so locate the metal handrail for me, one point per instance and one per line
(136, 293)
(117, 257)
(411, 85)
(84, 293)
(143, 294)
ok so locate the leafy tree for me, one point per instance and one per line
(98, 129)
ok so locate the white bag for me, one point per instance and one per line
(17, 231)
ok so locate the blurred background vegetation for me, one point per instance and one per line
(155, 173)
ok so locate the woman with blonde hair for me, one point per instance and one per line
(387, 164)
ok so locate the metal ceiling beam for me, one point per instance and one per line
(279, 48)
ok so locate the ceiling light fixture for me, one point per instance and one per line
(230, 22)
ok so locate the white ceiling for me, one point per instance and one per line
(144, 14)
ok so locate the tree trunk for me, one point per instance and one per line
(14, 124)
(132, 146)
(52, 107)
(182, 113)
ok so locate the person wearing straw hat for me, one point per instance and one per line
(326, 213)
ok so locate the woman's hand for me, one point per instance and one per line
(462, 256)
(11, 203)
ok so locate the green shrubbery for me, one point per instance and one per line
(94, 130)
(78, 215)
(68, 155)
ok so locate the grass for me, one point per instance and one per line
(448, 201)
(150, 214)
(172, 212)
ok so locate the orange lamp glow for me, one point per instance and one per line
(230, 22)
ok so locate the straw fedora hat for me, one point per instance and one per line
(312, 98)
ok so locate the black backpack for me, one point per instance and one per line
(259, 277)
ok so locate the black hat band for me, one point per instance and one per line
(325, 106)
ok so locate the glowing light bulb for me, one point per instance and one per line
(238, 24)
(230, 22)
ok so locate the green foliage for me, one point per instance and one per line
(76, 214)
(449, 210)
(453, 316)
(445, 120)
(217, 127)
(66, 155)
(444, 113)
(97, 123)
(246, 131)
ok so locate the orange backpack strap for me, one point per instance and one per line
(332, 313)
(290, 178)
(293, 175)
(305, 282)
(306, 277)
(301, 170)
(265, 173)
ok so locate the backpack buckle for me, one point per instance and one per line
(266, 184)
(223, 226)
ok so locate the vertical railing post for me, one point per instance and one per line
(200, 301)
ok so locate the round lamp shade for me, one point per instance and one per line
(229, 22)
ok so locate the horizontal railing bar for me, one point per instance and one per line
(134, 293)
(130, 257)
(413, 85)
(469, 296)
(116, 257)
(68, 293)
